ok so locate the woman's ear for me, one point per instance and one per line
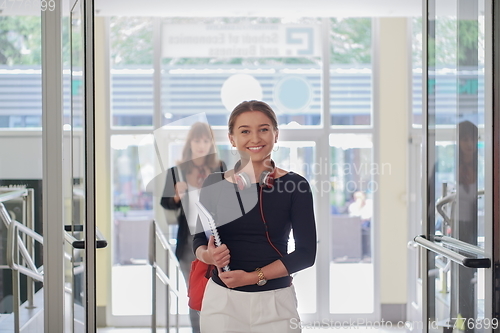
(230, 137)
(276, 136)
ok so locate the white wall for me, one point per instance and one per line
(21, 155)
(395, 74)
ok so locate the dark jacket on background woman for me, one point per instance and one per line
(184, 237)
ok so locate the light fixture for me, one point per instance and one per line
(238, 88)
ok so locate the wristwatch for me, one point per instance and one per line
(262, 279)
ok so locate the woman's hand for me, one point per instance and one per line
(238, 278)
(180, 191)
(218, 256)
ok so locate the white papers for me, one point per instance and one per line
(208, 223)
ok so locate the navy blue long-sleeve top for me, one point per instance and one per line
(287, 206)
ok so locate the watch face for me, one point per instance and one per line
(262, 282)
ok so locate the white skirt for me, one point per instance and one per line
(230, 311)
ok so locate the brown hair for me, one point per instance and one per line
(199, 130)
(253, 105)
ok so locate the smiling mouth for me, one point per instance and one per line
(255, 148)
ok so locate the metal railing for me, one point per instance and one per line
(172, 285)
(20, 250)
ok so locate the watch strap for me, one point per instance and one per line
(262, 277)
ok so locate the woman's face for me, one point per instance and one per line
(200, 147)
(254, 135)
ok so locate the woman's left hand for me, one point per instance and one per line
(238, 278)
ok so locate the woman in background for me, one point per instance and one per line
(183, 183)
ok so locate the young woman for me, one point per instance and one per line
(255, 205)
(181, 192)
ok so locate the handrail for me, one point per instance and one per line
(14, 241)
(165, 279)
(13, 194)
(157, 234)
(4, 215)
(452, 255)
(165, 244)
(21, 248)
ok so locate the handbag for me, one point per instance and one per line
(172, 215)
(198, 278)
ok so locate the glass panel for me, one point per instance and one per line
(210, 65)
(20, 72)
(132, 72)
(456, 159)
(350, 71)
(351, 197)
(133, 211)
(75, 215)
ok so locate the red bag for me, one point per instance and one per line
(198, 278)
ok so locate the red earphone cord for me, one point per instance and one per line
(265, 223)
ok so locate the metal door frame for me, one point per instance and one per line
(52, 140)
(492, 161)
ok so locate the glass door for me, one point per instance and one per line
(79, 217)
(457, 217)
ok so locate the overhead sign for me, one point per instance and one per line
(240, 41)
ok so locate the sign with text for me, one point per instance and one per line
(240, 41)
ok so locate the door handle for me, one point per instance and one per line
(101, 242)
(465, 261)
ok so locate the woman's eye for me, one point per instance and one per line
(264, 129)
(245, 131)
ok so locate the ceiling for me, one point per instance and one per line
(255, 8)
(230, 8)
(261, 8)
